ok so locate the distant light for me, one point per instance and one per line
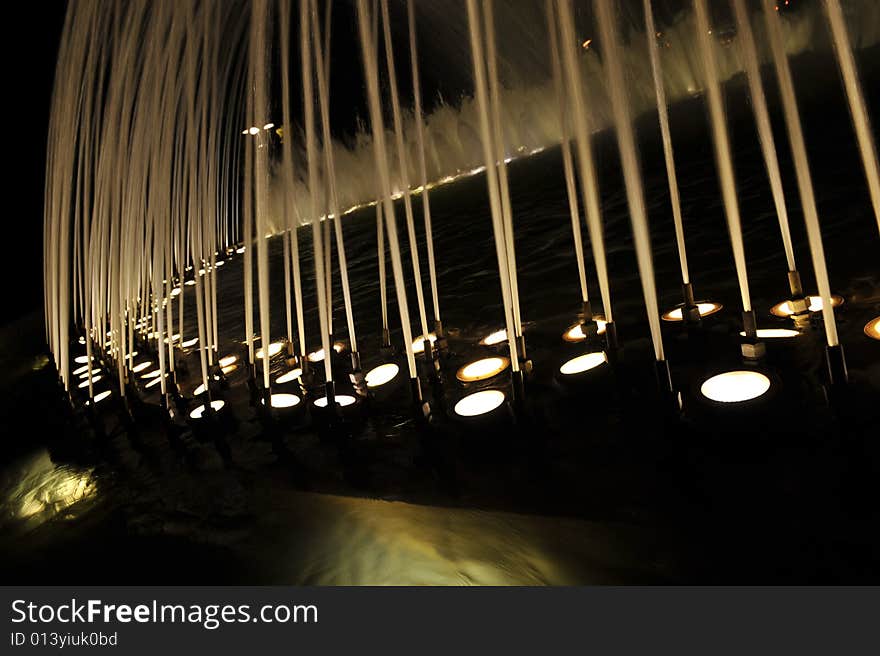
(318, 356)
(254, 130)
(494, 338)
(175, 337)
(784, 309)
(85, 383)
(151, 374)
(735, 386)
(482, 369)
(418, 345)
(872, 328)
(82, 359)
(774, 333)
(190, 283)
(283, 400)
(583, 363)
(228, 369)
(382, 374)
(274, 349)
(175, 291)
(228, 360)
(293, 374)
(342, 399)
(141, 366)
(82, 370)
(219, 263)
(268, 126)
(198, 412)
(100, 396)
(705, 308)
(240, 250)
(479, 403)
(576, 333)
(154, 382)
(586, 44)
(190, 342)
(82, 340)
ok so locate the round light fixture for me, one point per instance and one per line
(583, 363)
(418, 344)
(100, 396)
(382, 374)
(82, 359)
(482, 369)
(141, 366)
(872, 328)
(190, 342)
(497, 337)
(227, 360)
(291, 375)
(154, 382)
(576, 334)
(283, 400)
(479, 403)
(151, 374)
(705, 308)
(342, 400)
(274, 349)
(199, 412)
(318, 356)
(228, 369)
(784, 309)
(175, 291)
(735, 386)
(81, 370)
(85, 383)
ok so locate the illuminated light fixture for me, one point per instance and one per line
(293, 374)
(190, 283)
(418, 345)
(274, 349)
(190, 342)
(381, 375)
(705, 308)
(199, 412)
(240, 250)
(576, 334)
(283, 400)
(174, 338)
(583, 363)
(482, 369)
(85, 373)
(219, 263)
(872, 328)
(176, 291)
(82, 359)
(228, 360)
(341, 399)
(318, 356)
(141, 366)
(774, 333)
(82, 340)
(268, 126)
(100, 396)
(254, 130)
(151, 374)
(735, 386)
(492, 339)
(784, 309)
(154, 382)
(479, 403)
(228, 369)
(82, 370)
(85, 383)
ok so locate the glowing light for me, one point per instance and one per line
(268, 126)
(586, 44)
(418, 345)
(228, 369)
(705, 308)
(479, 403)
(240, 250)
(100, 396)
(872, 328)
(82, 359)
(200, 411)
(219, 263)
(175, 291)
(190, 283)
(784, 309)
(293, 374)
(154, 382)
(82, 340)
(341, 399)
(152, 374)
(141, 366)
(274, 349)
(283, 400)
(735, 386)
(576, 333)
(82, 370)
(85, 383)
(175, 337)
(482, 369)
(254, 130)
(494, 338)
(190, 342)
(382, 374)
(774, 333)
(318, 356)
(583, 363)
(228, 360)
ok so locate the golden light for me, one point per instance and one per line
(586, 44)
(228, 369)
(154, 382)
(735, 386)
(382, 374)
(784, 309)
(705, 308)
(268, 126)
(219, 263)
(151, 374)
(774, 333)
(82, 359)
(318, 356)
(82, 340)
(175, 291)
(418, 345)
(175, 337)
(198, 412)
(100, 396)
(283, 400)
(190, 283)
(576, 334)
(141, 366)
(583, 363)
(492, 339)
(85, 383)
(81, 370)
(254, 130)
(293, 374)
(479, 403)
(872, 328)
(274, 349)
(482, 369)
(190, 342)
(228, 360)
(341, 399)
(240, 250)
